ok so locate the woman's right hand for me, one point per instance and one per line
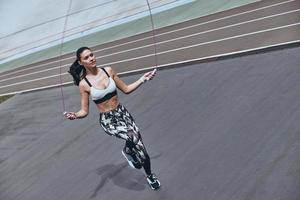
(148, 76)
(70, 115)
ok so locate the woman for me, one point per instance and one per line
(101, 84)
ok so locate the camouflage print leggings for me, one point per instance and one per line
(120, 123)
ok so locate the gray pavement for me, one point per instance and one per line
(225, 130)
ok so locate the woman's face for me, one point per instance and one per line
(88, 59)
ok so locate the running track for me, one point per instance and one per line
(223, 130)
(257, 26)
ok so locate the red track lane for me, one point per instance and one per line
(248, 28)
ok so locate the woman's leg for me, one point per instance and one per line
(147, 165)
(121, 124)
(134, 142)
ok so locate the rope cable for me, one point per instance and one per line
(60, 55)
(153, 34)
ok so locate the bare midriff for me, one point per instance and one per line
(108, 105)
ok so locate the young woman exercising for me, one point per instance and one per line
(101, 84)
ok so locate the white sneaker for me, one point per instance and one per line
(153, 182)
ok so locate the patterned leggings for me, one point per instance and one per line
(120, 123)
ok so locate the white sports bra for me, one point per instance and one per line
(101, 95)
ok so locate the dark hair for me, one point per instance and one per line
(76, 70)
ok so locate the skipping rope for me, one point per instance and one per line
(60, 55)
(153, 34)
(62, 45)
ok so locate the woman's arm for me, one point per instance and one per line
(84, 99)
(127, 89)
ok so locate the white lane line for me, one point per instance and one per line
(168, 51)
(165, 65)
(188, 27)
(31, 80)
(205, 43)
(23, 75)
(199, 33)
(195, 25)
(166, 41)
(34, 89)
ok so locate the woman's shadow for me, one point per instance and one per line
(121, 175)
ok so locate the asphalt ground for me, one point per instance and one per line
(257, 26)
(226, 130)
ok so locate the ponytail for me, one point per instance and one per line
(76, 70)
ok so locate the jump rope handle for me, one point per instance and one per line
(65, 114)
(68, 115)
(154, 71)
